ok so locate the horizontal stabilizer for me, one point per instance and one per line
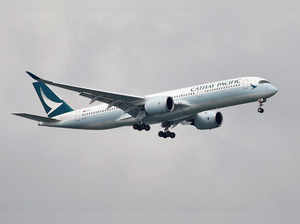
(35, 117)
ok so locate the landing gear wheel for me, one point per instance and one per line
(260, 110)
(147, 127)
(161, 134)
(172, 135)
(141, 127)
(135, 126)
(166, 134)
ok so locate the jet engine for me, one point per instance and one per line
(207, 120)
(159, 104)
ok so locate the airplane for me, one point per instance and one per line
(193, 106)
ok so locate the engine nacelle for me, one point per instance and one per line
(159, 104)
(208, 120)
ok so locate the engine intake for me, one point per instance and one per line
(208, 120)
(159, 104)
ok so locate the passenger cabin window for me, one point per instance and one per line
(263, 81)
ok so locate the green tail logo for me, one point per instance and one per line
(52, 104)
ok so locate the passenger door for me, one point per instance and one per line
(246, 84)
(78, 115)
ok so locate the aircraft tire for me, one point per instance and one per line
(161, 134)
(172, 135)
(260, 110)
(147, 127)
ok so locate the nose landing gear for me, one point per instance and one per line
(260, 110)
(261, 101)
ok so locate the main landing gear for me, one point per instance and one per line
(261, 101)
(166, 134)
(141, 127)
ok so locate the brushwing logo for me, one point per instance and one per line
(51, 104)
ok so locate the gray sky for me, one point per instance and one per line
(244, 172)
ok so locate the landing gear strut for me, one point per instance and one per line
(141, 127)
(261, 101)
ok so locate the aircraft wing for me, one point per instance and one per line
(129, 104)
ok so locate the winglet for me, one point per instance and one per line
(33, 76)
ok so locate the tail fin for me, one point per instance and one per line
(52, 104)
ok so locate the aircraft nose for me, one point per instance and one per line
(274, 89)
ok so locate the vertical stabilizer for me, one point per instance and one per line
(52, 104)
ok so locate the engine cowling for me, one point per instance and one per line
(208, 120)
(159, 104)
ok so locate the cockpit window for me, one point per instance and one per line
(263, 81)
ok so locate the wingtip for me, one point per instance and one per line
(33, 76)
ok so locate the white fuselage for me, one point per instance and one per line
(188, 102)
